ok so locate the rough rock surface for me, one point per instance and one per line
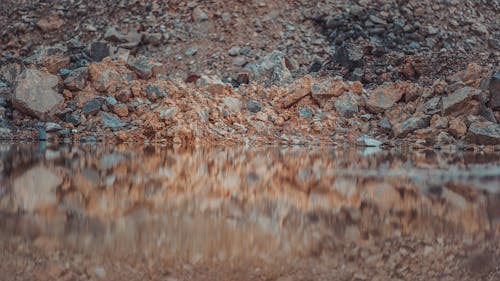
(36, 94)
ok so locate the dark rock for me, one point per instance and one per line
(488, 114)
(92, 106)
(410, 125)
(315, 67)
(52, 127)
(347, 105)
(98, 51)
(350, 58)
(385, 124)
(243, 78)
(111, 120)
(461, 101)
(35, 94)
(484, 133)
(270, 70)
(77, 79)
(494, 88)
(253, 106)
(73, 119)
(42, 134)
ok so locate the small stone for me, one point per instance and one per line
(143, 67)
(347, 105)
(92, 106)
(243, 78)
(377, 20)
(306, 113)
(100, 272)
(153, 93)
(484, 133)
(121, 110)
(5, 134)
(234, 51)
(458, 128)
(414, 45)
(239, 61)
(232, 104)
(191, 51)
(105, 79)
(50, 23)
(113, 35)
(111, 120)
(367, 141)
(410, 125)
(385, 124)
(98, 51)
(168, 114)
(350, 58)
(153, 38)
(51, 127)
(35, 94)
(77, 79)
(199, 15)
(431, 107)
(253, 106)
(73, 119)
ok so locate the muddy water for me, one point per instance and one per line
(154, 213)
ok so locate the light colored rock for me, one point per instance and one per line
(270, 70)
(35, 94)
(36, 188)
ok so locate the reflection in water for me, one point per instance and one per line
(220, 204)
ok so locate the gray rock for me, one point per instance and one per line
(367, 141)
(234, 51)
(92, 106)
(350, 58)
(377, 20)
(36, 95)
(410, 125)
(431, 107)
(306, 113)
(199, 15)
(143, 67)
(385, 124)
(347, 105)
(52, 127)
(191, 51)
(484, 133)
(111, 120)
(77, 79)
(113, 35)
(270, 70)
(459, 101)
(232, 104)
(5, 134)
(153, 93)
(253, 106)
(98, 51)
(494, 88)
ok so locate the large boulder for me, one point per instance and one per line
(35, 94)
(270, 70)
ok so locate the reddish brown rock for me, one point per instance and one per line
(50, 23)
(384, 97)
(458, 128)
(461, 101)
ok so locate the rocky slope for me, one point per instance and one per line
(352, 72)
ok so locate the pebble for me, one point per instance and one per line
(191, 51)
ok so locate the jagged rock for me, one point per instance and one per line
(111, 120)
(77, 79)
(98, 51)
(270, 70)
(410, 125)
(143, 67)
(350, 58)
(494, 88)
(458, 128)
(35, 94)
(105, 79)
(113, 35)
(92, 106)
(383, 98)
(430, 107)
(461, 101)
(321, 92)
(484, 133)
(347, 105)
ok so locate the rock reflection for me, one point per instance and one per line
(221, 204)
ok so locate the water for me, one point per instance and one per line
(155, 213)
